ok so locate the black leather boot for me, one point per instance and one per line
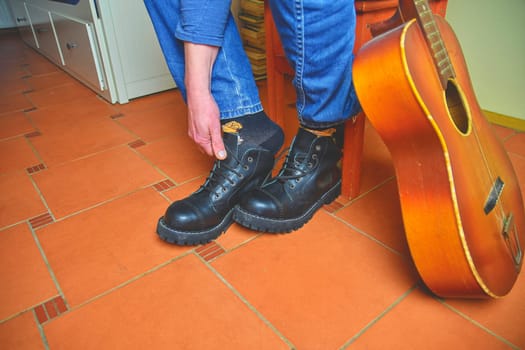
(208, 212)
(309, 178)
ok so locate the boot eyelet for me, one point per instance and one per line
(317, 147)
(250, 159)
(314, 156)
(292, 186)
(246, 167)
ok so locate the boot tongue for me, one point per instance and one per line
(302, 142)
(298, 152)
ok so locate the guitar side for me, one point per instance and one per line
(448, 163)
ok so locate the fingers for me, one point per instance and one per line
(204, 125)
(208, 138)
(217, 143)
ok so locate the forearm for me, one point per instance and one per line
(203, 113)
(201, 28)
(199, 65)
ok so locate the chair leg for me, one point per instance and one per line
(352, 155)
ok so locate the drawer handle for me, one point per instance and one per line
(21, 19)
(71, 45)
(42, 30)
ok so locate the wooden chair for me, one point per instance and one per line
(372, 16)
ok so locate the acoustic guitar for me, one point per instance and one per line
(460, 200)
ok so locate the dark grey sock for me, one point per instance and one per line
(256, 129)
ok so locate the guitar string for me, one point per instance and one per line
(431, 28)
(423, 9)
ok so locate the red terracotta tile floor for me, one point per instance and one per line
(82, 185)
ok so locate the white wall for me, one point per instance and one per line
(492, 35)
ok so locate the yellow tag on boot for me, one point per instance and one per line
(232, 127)
(321, 133)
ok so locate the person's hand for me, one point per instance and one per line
(204, 125)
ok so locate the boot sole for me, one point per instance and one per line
(173, 236)
(271, 225)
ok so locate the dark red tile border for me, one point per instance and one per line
(40, 314)
(33, 134)
(50, 309)
(35, 168)
(164, 185)
(210, 251)
(117, 116)
(136, 144)
(41, 220)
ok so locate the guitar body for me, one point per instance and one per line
(461, 203)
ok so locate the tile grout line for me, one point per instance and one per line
(157, 168)
(163, 195)
(378, 318)
(104, 202)
(150, 163)
(96, 297)
(42, 198)
(130, 281)
(89, 155)
(227, 251)
(362, 195)
(477, 324)
(41, 332)
(246, 302)
(8, 226)
(247, 241)
(31, 145)
(48, 265)
(115, 119)
(26, 310)
(366, 235)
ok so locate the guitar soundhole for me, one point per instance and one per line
(456, 108)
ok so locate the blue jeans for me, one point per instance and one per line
(317, 36)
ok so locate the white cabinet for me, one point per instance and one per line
(109, 45)
(45, 33)
(130, 36)
(80, 52)
(23, 23)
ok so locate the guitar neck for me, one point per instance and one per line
(425, 18)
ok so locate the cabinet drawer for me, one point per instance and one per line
(45, 33)
(80, 51)
(23, 23)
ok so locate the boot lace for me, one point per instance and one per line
(296, 166)
(221, 172)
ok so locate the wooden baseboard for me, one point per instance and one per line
(504, 120)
